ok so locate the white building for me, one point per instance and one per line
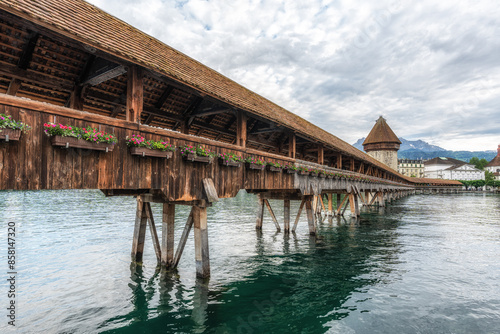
(451, 169)
(494, 165)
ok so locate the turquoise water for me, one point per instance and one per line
(427, 264)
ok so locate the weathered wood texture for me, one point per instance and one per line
(34, 163)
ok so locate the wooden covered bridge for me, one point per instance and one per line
(70, 63)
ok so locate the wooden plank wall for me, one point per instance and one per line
(33, 163)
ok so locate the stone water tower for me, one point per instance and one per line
(382, 144)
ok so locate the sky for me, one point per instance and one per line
(431, 68)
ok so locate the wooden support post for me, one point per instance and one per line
(260, 215)
(339, 161)
(76, 98)
(322, 203)
(272, 215)
(341, 204)
(139, 232)
(310, 217)
(241, 129)
(315, 205)
(321, 154)
(374, 197)
(292, 145)
(14, 86)
(167, 237)
(182, 241)
(286, 213)
(201, 242)
(152, 229)
(135, 94)
(298, 214)
(330, 204)
(381, 200)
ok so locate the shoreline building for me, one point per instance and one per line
(494, 165)
(411, 168)
(451, 169)
(383, 144)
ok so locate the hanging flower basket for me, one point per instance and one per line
(197, 158)
(250, 165)
(274, 169)
(313, 174)
(147, 152)
(321, 174)
(290, 169)
(255, 163)
(149, 148)
(303, 172)
(10, 134)
(230, 160)
(330, 176)
(68, 142)
(229, 163)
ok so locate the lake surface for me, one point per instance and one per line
(426, 264)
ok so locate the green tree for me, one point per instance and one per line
(478, 163)
(489, 178)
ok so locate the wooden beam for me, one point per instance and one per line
(286, 214)
(139, 232)
(152, 229)
(241, 129)
(298, 214)
(183, 240)
(75, 100)
(201, 242)
(310, 217)
(260, 215)
(102, 70)
(27, 54)
(14, 86)
(339, 161)
(164, 96)
(321, 157)
(292, 145)
(167, 235)
(210, 112)
(278, 229)
(135, 94)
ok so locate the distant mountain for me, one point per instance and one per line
(419, 149)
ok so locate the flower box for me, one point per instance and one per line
(273, 169)
(330, 176)
(314, 174)
(255, 166)
(323, 175)
(147, 152)
(229, 163)
(10, 134)
(304, 173)
(197, 158)
(74, 142)
(291, 171)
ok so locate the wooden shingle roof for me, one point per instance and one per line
(381, 133)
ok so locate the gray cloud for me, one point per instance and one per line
(432, 69)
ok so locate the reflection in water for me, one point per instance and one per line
(378, 273)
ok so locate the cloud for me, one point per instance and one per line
(432, 69)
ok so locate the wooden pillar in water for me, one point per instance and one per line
(139, 232)
(310, 216)
(330, 204)
(286, 208)
(167, 238)
(201, 241)
(260, 214)
(354, 203)
(381, 200)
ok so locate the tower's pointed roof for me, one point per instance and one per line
(496, 160)
(381, 133)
